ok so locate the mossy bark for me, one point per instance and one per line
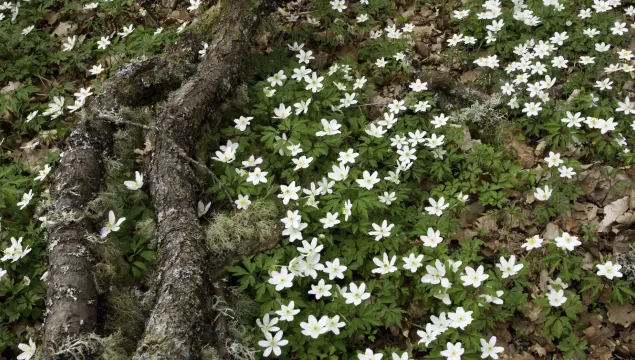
(176, 324)
(174, 327)
(71, 298)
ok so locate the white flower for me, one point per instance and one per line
(436, 275)
(43, 173)
(26, 199)
(96, 69)
(340, 172)
(418, 86)
(338, 5)
(181, 28)
(27, 350)
(333, 324)
(609, 270)
(543, 194)
(432, 239)
(287, 312)
(135, 184)
(15, 252)
(369, 354)
(194, 4)
(127, 30)
(385, 266)
(474, 277)
(113, 224)
(295, 47)
(305, 57)
(453, 351)
(566, 172)
(375, 131)
(436, 207)
(330, 128)
(272, 343)
(242, 123)
(320, 290)
(381, 63)
(302, 107)
(302, 162)
(627, 107)
(553, 159)
(368, 180)
(460, 14)
(257, 176)
(489, 348)
(334, 269)
(330, 220)
(532, 109)
(356, 294)
(313, 327)
(460, 318)
(619, 28)
(381, 231)
(289, 192)
(387, 198)
(243, 202)
(412, 262)
(533, 242)
(202, 209)
(27, 30)
(509, 268)
(103, 43)
(567, 241)
(70, 43)
(347, 156)
(282, 112)
(440, 120)
(282, 279)
(556, 297)
(267, 324)
(227, 156)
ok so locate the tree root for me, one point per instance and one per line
(176, 324)
(182, 288)
(71, 295)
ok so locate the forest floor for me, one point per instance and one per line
(457, 159)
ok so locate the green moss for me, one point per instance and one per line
(209, 353)
(126, 315)
(230, 233)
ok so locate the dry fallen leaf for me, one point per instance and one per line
(613, 211)
(538, 350)
(621, 314)
(469, 77)
(486, 223)
(524, 152)
(64, 29)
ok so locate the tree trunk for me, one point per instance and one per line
(71, 297)
(183, 288)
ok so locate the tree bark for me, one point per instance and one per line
(71, 298)
(182, 287)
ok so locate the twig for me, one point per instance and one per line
(116, 120)
(182, 153)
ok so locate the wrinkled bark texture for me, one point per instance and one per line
(183, 277)
(182, 282)
(71, 298)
